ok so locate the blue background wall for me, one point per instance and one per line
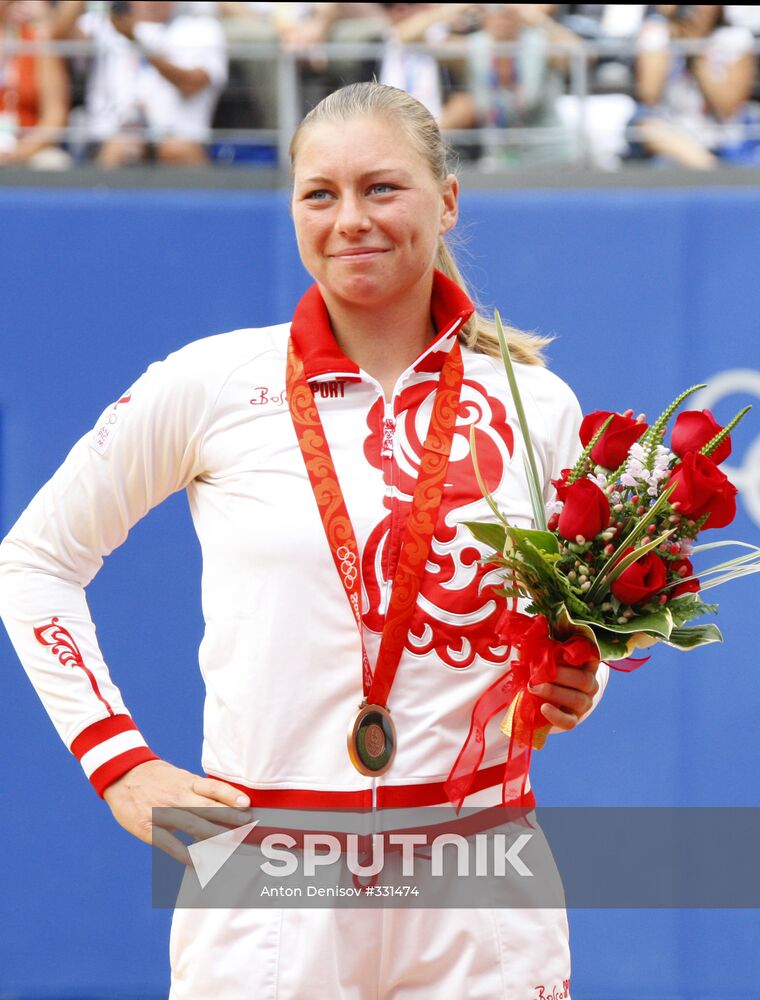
(647, 293)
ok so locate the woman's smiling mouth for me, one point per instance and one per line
(358, 253)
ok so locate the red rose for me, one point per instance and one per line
(611, 450)
(560, 485)
(641, 580)
(683, 568)
(586, 511)
(701, 488)
(693, 429)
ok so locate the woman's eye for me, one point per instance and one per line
(382, 187)
(320, 195)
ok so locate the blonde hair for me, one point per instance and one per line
(361, 100)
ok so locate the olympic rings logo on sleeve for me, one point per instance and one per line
(104, 431)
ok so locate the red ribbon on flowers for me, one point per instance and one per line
(628, 664)
(539, 657)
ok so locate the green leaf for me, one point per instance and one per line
(545, 541)
(611, 647)
(536, 499)
(659, 623)
(579, 609)
(727, 577)
(725, 543)
(730, 569)
(693, 636)
(564, 625)
(492, 535)
(683, 609)
(532, 558)
(614, 642)
(481, 483)
(539, 514)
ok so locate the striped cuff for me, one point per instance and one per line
(109, 748)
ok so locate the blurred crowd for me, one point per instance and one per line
(517, 85)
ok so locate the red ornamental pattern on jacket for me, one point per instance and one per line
(63, 645)
(456, 611)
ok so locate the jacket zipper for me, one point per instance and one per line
(389, 475)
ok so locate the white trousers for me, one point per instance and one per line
(361, 954)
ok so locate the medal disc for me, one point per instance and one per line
(372, 740)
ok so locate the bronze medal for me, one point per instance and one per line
(372, 740)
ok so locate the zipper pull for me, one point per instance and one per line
(389, 427)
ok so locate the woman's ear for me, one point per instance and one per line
(449, 204)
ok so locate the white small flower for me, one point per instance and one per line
(663, 457)
(635, 469)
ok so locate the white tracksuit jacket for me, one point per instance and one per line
(280, 647)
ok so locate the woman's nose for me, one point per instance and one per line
(352, 216)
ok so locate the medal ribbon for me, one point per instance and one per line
(420, 523)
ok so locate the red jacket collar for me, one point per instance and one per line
(314, 339)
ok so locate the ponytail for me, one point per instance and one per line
(479, 333)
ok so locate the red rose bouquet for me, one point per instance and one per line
(610, 570)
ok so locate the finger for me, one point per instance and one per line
(170, 845)
(559, 718)
(220, 791)
(569, 699)
(210, 809)
(576, 678)
(186, 798)
(223, 815)
(187, 821)
(592, 666)
(219, 816)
